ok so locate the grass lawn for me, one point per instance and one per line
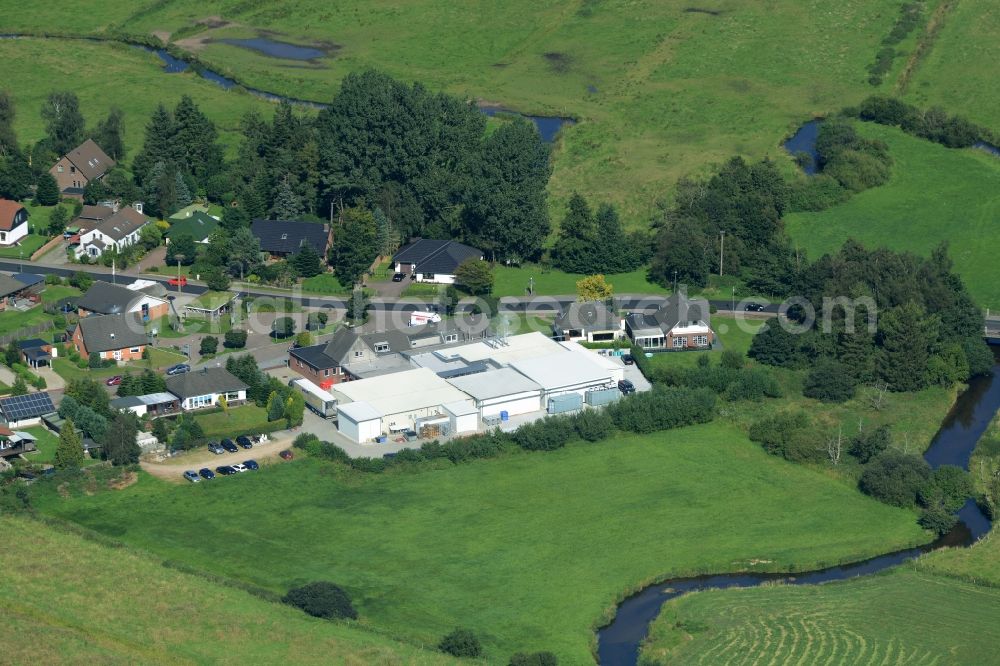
(84, 599)
(235, 421)
(29, 244)
(936, 194)
(46, 444)
(905, 616)
(513, 281)
(324, 283)
(13, 320)
(56, 292)
(158, 359)
(420, 550)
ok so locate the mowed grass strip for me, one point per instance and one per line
(905, 617)
(70, 600)
(936, 194)
(529, 551)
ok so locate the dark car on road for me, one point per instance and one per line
(753, 307)
(178, 369)
(245, 442)
(628, 359)
(398, 277)
(192, 476)
(206, 473)
(251, 464)
(626, 387)
(215, 448)
(228, 445)
(226, 470)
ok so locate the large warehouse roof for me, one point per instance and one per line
(562, 370)
(515, 347)
(494, 384)
(359, 411)
(399, 392)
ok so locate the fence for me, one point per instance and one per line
(45, 248)
(26, 332)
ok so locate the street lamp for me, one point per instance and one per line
(180, 258)
(722, 245)
(734, 298)
(531, 286)
(675, 280)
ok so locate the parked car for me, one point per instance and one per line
(240, 467)
(251, 464)
(388, 456)
(178, 369)
(398, 277)
(244, 441)
(626, 387)
(628, 359)
(178, 281)
(113, 381)
(215, 448)
(753, 307)
(226, 470)
(286, 455)
(192, 476)
(206, 473)
(228, 445)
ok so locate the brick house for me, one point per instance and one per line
(104, 298)
(13, 222)
(679, 324)
(79, 166)
(116, 337)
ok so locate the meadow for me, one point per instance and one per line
(659, 89)
(935, 194)
(69, 599)
(423, 550)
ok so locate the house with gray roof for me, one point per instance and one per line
(104, 298)
(677, 325)
(203, 388)
(79, 166)
(118, 231)
(427, 260)
(114, 337)
(591, 321)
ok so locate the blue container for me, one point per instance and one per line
(381, 439)
(504, 416)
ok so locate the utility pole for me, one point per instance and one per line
(722, 246)
(675, 280)
(180, 257)
(734, 298)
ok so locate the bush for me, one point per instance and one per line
(895, 478)
(732, 360)
(662, 408)
(321, 599)
(829, 381)
(753, 384)
(283, 327)
(548, 434)
(592, 425)
(789, 435)
(816, 193)
(865, 446)
(937, 519)
(461, 643)
(209, 345)
(534, 659)
(235, 339)
(773, 345)
(94, 362)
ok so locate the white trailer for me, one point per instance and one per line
(317, 399)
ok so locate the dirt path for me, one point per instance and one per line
(173, 469)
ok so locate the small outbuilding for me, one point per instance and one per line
(359, 421)
(502, 390)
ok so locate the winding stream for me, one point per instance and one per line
(619, 642)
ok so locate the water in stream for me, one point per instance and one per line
(619, 642)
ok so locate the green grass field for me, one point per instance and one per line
(235, 421)
(514, 281)
(903, 617)
(420, 551)
(659, 89)
(70, 600)
(935, 194)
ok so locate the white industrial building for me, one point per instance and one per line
(563, 373)
(402, 400)
(503, 390)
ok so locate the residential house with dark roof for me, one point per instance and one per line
(435, 261)
(13, 290)
(591, 321)
(283, 238)
(35, 352)
(150, 404)
(79, 166)
(115, 337)
(90, 217)
(104, 298)
(198, 225)
(200, 389)
(679, 324)
(13, 222)
(118, 231)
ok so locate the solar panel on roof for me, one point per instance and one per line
(21, 407)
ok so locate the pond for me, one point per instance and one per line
(548, 126)
(619, 642)
(804, 141)
(982, 145)
(276, 49)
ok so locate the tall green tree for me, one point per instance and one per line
(8, 138)
(244, 250)
(47, 193)
(505, 207)
(16, 176)
(109, 134)
(119, 442)
(157, 148)
(196, 142)
(576, 246)
(355, 245)
(181, 247)
(306, 262)
(388, 239)
(475, 276)
(58, 219)
(295, 407)
(287, 204)
(69, 452)
(64, 124)
(907, 336)
(683, 255)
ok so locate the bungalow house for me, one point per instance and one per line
(591, 321)
(104, 298)
(36, 352)
(114, 337)
(25, 410)
(679, 324)
(151, 404)
(15, 443)
(13, 222)
(426, 260)
(197, 225)
(13, 290)
(118, 231)
(79, 166)
(203, 388)
(283, 238)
